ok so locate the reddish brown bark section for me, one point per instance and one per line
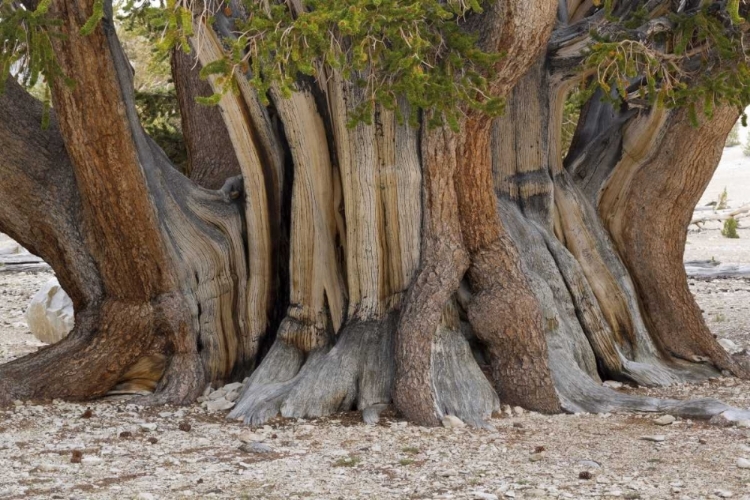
(444, 261)
(649, 226)
(111, 181)
(504, 313)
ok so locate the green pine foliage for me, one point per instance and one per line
(421, 51)
(696, 60)
(390, 48)
(26, 48)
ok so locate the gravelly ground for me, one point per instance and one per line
(339, 458)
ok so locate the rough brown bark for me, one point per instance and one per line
(211, 157)
(98, 136)
(444, 261)
(504, 312)
(39, 191)
(648, 220)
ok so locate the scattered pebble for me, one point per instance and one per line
(453, 422)
(255, 448)
(665, 420)
(655, 439)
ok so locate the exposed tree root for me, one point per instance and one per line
(88, 362)
(357, 372)
(582, 345)
(579, 393)
(461, 388)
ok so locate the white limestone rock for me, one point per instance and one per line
(50, 313)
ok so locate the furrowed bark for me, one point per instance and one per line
(261, 164)
(649, 226)
(591, 311)
(170, 255)
(331, 355)
(211, 158)
(39, 190)
(504, 312)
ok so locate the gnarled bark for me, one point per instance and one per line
(385, 253)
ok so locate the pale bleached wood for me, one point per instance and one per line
(239, 125)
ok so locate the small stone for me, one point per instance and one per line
(220, 404)
(255, 448)
(216, 395)
(236, 386)
(91, 460)
(585, 475)
(126, 435)
(744, 424)
(612, 384)
(702, 440)
(665, 420)
(153, 440)
(448, 473)
(517, 410)
(654, 439)
(453, 422)
(376, 448)
(730, 346)
(721, 420)
(145, 496)
(534, 493)
(518, 425)
(149, 427)
(743, 463)
(536, 457)
(251, 437)
(723, 493)
(589, 464)
(50, 313)
(481, 495)
(185, 427)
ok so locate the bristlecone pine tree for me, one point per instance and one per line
(378, 211)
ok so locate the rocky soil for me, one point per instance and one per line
(119, 451)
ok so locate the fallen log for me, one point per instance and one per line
(720, 215)
(711, 269)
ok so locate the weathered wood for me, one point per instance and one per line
(707, 269)
(719, 215)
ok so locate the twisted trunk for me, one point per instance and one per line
(443, 271)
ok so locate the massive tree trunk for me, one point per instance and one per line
(355, 266)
